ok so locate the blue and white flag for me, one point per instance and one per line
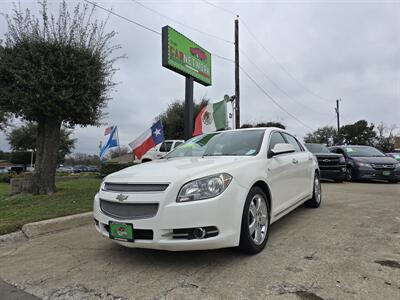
(111, 143)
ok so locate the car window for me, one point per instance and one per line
(177, 144)
(166, 147)
(292, 140)
(276, 138)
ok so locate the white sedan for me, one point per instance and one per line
(217, 190)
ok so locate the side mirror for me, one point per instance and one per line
(281, 148)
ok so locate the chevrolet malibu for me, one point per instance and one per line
(217, 190)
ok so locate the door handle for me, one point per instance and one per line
(295, 161)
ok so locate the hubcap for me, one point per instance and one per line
(258, 216)
(317, 189)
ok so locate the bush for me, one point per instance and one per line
(111, 168)
(6, 178)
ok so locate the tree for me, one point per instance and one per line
(117, 152)
(384, 140)
(55, 70)
(359, 133)
(325, 135)
(3, 119)
(82, 159)
(173, 118)
(24, 139)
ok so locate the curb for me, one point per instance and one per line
(12, 237)
(32, 230)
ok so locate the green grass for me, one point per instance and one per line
(72, 197)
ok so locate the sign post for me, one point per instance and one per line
(187, 58)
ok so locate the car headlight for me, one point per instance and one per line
(204, 188)
(361, 164)
(342, 160)
(397, 165)
(102, 185)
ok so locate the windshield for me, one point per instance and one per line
(363, 151)
(317, 148)
(240, 142)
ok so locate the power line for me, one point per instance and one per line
(145, 27)
(181, 23)
(227, 11)
(275, 84)
(122, 17)
(273, 100)
(283, 68)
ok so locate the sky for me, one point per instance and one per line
(302, 55)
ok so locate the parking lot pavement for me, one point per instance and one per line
(349, 248)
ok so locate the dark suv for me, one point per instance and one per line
(365, 162)
(331, 165)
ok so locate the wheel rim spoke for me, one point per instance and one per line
(258, 214)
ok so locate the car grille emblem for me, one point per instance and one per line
(121, 197)
(326, 160)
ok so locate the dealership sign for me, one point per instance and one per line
(184, 56)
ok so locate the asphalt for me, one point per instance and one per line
(349, 248)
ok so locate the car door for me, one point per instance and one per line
(281, 175)
(302, 163)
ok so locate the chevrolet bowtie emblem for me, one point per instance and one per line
(121, 197)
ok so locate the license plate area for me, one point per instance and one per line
(386, 173)
(121, 231)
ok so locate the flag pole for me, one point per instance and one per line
(119, 147)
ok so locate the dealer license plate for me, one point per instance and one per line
(121, 231)
(386, 173)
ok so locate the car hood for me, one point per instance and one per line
(376, 160)
(169, 170)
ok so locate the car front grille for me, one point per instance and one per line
(128, 187)
(328, 161)
(383, 166)
(128, 211)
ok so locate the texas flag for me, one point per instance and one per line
(148, 139)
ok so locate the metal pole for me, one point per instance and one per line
(188, 115)
(338, 121)
(237, 89)
(119, 147)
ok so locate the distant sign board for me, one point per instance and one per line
(185, 57)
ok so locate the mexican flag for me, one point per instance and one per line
(210, 118)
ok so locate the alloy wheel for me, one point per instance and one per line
(258, 219)
(317, 189)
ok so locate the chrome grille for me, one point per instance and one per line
(126, 211)
(382, 166)
(328, 161)
(128, 187)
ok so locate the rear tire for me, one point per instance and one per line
(315, 201)
(393, 181)
(255, 222)
(339, 180)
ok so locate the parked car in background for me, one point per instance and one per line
(331, 165)
(395, 155)
(65, 169)
(160, 150)
(221, 189)
(368, 163)
(80, 169)
(93, 168)
(3, 170)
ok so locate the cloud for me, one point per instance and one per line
(335, 49)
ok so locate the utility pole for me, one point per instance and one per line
(337, 116)
(237, 90)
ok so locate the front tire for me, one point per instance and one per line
(315, 201)
(350, 176)
(255, 222)
(393, 181)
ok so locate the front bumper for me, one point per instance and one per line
(371, 174)
(223, 213)
(333, 173)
